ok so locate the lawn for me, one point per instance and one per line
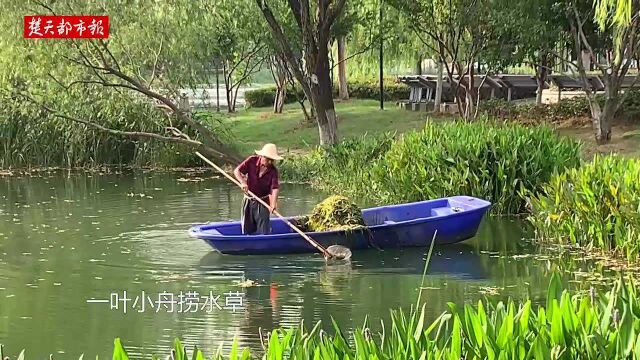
(254, 127)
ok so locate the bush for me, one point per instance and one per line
(564, 110)
(500, 163)
(358, 89)
(597, 205)
(630, 107)
(370, 89)
(265, 97)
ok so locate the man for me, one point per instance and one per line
(258, 174)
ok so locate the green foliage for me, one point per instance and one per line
(630, 106)
(358, 89)
(167, 46)
(344, 167)
(597, 205)
(264, 97)
(370, 89)
(30, 136)
(565, 326)
(565, 109)
(494, 162)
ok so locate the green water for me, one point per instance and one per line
(69, 238)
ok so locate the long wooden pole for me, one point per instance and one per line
(381, 60)
(324, 251)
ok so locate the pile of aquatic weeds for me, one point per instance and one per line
(334, 213)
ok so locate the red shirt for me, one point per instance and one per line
(259, 185)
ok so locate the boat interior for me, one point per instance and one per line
(384, 215)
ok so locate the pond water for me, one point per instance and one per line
(72, 244)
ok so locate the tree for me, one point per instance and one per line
(618, 21)
(458, 31)
(242, 43)
(150, 57)
(313, 36)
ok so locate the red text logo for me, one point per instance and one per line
(66, 27)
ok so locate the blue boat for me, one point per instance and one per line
(455, 218)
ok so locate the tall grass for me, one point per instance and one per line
(586, 326)
(493, 161)
(597, 205)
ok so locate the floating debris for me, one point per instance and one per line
(196, 179)
(489, 290)
(138, 195)
(247, 283)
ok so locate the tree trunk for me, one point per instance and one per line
(602, 117)
(228, 88)
(470, 94)
(342, 69)
(419, 65)
(322, 98)
(438, 99)
(281, 94)
(279, 74)
(217, 86)
(541, 77)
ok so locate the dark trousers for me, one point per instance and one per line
(255, 217)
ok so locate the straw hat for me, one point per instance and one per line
(269, 151)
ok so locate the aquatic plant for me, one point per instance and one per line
(586, 326)
(333, 213)
(596, 206)
(492, 161)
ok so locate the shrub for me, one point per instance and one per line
(495, 162)
(564, 110)
(630, 107)
(265, 97)
(358, 89)
(370, 89)
(597, 205)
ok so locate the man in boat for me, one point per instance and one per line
(258, 174)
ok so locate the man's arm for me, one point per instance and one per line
(275, 189)
(239, 172)
(273, 199)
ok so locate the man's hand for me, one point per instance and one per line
(273, 207)
(245, 187)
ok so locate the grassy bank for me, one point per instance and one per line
(583, 326)
(500, 163)
(595, 206)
